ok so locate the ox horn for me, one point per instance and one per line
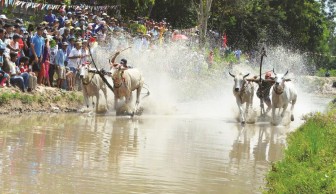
(286, 73)
(232, 74)
(274, 72)
(246, 75)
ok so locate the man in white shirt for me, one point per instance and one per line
(75, 59)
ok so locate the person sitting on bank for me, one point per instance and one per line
(3, 75)
(15, 75)
(24, 68)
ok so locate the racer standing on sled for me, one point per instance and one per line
(264, 88)
(123, 62)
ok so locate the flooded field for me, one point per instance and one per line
(177, 153)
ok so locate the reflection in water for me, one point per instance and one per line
(104, 154)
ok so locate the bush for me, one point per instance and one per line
(138, 28)
(321, 72)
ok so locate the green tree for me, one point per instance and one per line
(179, 13)
(130, 9)
(203, 14)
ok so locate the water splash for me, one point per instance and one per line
(181, 83)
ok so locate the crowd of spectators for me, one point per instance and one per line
(49, 53)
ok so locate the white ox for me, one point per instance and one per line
(92, 83)
(243, 91)
(283, 92)
(125, 81)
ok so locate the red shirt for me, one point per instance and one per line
(21, 45)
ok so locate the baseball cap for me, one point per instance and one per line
(123, 61)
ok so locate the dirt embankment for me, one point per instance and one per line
(43, 100)
(318, 85)
(54, 100)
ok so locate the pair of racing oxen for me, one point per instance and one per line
(125, 80)
(283, 94)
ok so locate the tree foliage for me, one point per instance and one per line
(179, 13)
(305, 25)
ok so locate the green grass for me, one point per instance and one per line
(74, 97)
(7, 97)
(309, 164)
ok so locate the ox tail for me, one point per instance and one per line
(147, 93)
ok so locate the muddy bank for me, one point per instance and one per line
(317, 85)
(43, 100)
(54, 100)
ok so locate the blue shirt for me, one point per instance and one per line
(60, 57)
(38, 42)
(50, 18)
(61, 20)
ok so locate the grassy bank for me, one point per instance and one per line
(309, 164)
(45, 99)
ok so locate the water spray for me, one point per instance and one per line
(121, 51)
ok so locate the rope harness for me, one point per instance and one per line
(275, 89)
(123, 80)
(87, 83)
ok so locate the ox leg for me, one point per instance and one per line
(137, 98)
(292, 107)
(93, 103)
(284, 110)
(273, 113)
(128, 100)
(97, 103)
(105, 94)
(86, 99)
(248, 106)
(241, 112)
(115, 103)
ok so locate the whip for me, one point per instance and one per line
(101, 74)
(263, 53)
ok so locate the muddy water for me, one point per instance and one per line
(186, 153)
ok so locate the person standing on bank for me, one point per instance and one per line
(36, 54)
(74, 60)
(60, 64)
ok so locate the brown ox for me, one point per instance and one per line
(125, 81)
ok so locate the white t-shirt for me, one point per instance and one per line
(13, 69)
(85, 54)
(74, 62)
(53, 52)
(7, 50)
